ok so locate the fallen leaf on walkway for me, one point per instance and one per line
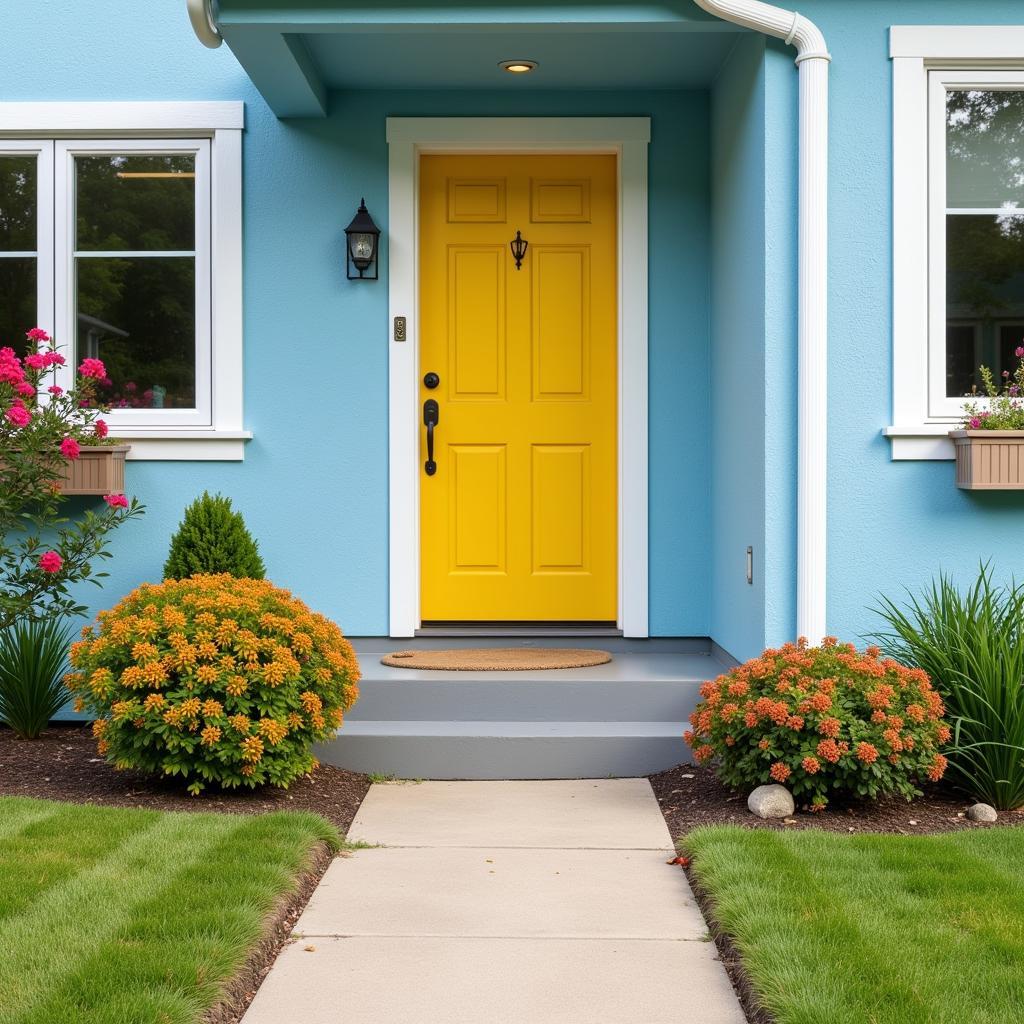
(683, 862)
(309, 949)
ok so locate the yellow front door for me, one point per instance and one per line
(518, 517)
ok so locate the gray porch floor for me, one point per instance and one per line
(625, 718)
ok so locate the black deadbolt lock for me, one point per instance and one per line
(431, 380)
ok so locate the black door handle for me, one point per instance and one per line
(431, 414)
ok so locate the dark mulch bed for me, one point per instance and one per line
(691, 796)
(63, 765)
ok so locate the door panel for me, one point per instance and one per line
(478, 509)
(561, 323)
(560, 489)
(519, 523)
(476, 322)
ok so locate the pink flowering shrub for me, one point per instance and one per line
(823, 721)
(43, 425)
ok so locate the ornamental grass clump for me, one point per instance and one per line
(213, 679)
(824, 721)
(971, 642)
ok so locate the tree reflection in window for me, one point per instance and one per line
(135, 275)
(984, 233)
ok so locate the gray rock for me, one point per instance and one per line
(771, 802)
(982, 812)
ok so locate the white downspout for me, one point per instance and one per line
(204, 22)
(812, 444)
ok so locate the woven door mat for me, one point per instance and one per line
(498, 659)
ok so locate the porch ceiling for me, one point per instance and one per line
(295, 54)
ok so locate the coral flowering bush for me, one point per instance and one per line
(214, 679)
(823, 721)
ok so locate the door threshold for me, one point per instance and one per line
(484, 630)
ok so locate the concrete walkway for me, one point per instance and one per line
(502, 903)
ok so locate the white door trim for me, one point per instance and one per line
(408, 137)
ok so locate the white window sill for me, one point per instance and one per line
(924, 442)
(170, 445)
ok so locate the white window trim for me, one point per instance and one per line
(628, 138)
(43, 151)
(924, 58)
(222, 436)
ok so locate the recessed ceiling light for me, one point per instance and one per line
(518, 67)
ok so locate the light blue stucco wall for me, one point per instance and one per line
(737, 348)
(313, 485)
(314, 481)
(890, 524)
(753, 350)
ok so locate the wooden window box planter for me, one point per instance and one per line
(989, 460)
(99, 469)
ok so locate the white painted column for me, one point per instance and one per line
(812, 404)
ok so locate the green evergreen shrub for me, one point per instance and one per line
(213, 538)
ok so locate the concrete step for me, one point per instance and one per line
(507, 749)
(635, 687)
(625, 718)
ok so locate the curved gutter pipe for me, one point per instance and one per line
(204, 22)
(812, 417)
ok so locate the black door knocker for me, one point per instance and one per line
(519, 245)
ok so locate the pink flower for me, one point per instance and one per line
(100, 429)
(18, 415)
(130, 385)
(1019, 352)
(69, 448)
(10, 367)
(24, 388)
(50, 562)
(975, 423)
(37, 334)
(54, 359)
(116, 500)
(36, 361)
(55, 389)
(93, 368)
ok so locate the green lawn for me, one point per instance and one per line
(873, 929)
(130, 916)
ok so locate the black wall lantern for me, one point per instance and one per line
(361, 237)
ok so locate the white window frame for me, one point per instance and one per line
(213, 130)
(926, 61)
(43, 254)
(65, 153)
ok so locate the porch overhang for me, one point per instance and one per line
(296, 54)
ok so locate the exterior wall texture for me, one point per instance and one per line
(314, 482)
(891, 524)
(313, 486)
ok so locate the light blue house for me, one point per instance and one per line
(710, 405)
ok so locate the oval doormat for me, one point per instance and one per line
(498, 659)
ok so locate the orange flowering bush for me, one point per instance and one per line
(214, 679)
(822, 720)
